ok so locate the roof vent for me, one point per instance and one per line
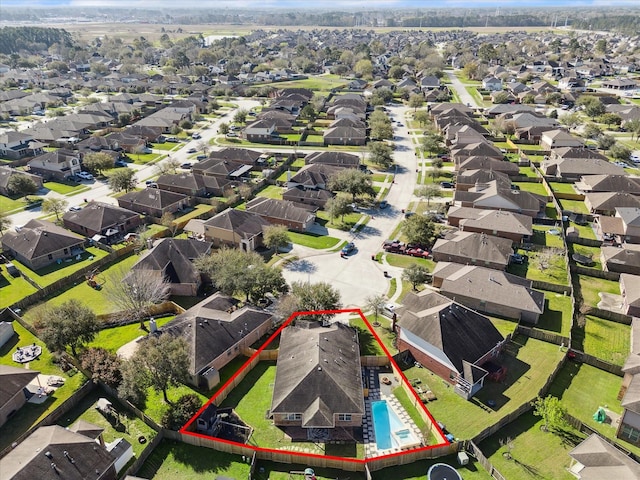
(319, 369)
(48, 454)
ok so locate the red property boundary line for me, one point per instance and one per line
(184, 430)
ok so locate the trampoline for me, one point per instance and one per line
(442, 471)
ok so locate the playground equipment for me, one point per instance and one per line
(93, 280)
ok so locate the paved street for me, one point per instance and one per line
(458, 86)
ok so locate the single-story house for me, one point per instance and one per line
(7, 172)
(345, 136)
(335, 159)
(98, 218)
(217, 331)
(13, 394)
(621, 260)
(470, 248)
(595, 458)
(514, 226)
(609, 183)
(282, 212)
(318, 380)
(236, 228)
(490, 196)
(172, 259)
(559, 138)
(605, 203)
(39, 243)
(154, 202)
(625, 224)
(448, 339)
(490, 291)
(630, 290)
(307, 197)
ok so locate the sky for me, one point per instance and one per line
(324, 4)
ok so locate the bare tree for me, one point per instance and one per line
(168, 166)
(375, 304)
(56, 206)
(134, 292)
(545, 258)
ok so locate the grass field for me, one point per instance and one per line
(13, 289)
(576, 206)
(555, 271)
(9, 204)
(114, 338)
(31, 413)
(313, 241)
(174, 460)
(404, 261)
(557, 314)
(537, 188)
(322, 83)
(591, 286)
(549, 459)
(590, 252)
(526, 374)
(65, 189)
(54, 272)
(582, 389)
(562, 187)
(607, 340)
(541, 236)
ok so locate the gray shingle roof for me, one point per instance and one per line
(98, 216)
(475, 246)
(243, 223)
(173, 257)
(39, 237)
(602, 460)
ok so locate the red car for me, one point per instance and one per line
(417, 252)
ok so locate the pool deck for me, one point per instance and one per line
(379, 391)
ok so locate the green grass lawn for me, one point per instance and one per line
(174, 460)
(167, 146)
(576, 206)
(9, 204)
(368, 344)
(591, 286)
(251, 400)
(555, 272)
(198, 210)
(154, 405)
(114, 338)
(313, 241)
(344, 223)
(549, 458)
(144, 158)
(504, 326)
(323, 83)
(526, 374)
(527, 172)
(536, 188)
(130, 427)
(541, 236)
(404, 261)
(607, 340)
(96, 299)
(13, 289)
(558, 187)
(591, 252)
(417, 470)
(65, 189)
(557, 314)
(31, 413)
(585, 231)
(54, 272)
(582, 389)
(271, 191)
(281, 471)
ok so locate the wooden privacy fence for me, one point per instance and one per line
(598, 363)
(473, 449)
(543, 335)
(592, 272)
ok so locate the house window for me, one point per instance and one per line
(50, 257)
(630, 433)
(66, 251)
(344, 417)
(293, 416)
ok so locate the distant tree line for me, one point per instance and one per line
(476, 20)
(628, 24)
(32, 39)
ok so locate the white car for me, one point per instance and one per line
(84, 175)
(389, 310)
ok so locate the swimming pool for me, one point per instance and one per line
(389, 429)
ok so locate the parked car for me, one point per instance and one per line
(232, 135)
(409, 214)
(384, 204)
(201, 157)
(186, 165)
(75, 208)
(196, 136)
(389, 310)
(447, 185)
(172, 139)
(517, 258)
(192, 150)
(152, 185)
(348, 248)
(417, 252)
(119, 163)
(84, 175)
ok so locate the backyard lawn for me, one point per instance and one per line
(113, 338)
(557, 314)
(585, 231)
(130, 427)
(527, 372)
(13, 289)
(54, 272)
(536, 188)
(548, 460)
(590, 287)
(174, 460)
(562, 187)
(368, 344)
(31, 413)
(528, 172)
(582, 389)
(607, 340)
(271, 191)
(554, 272)
(576, 206)
(417, 470)
(541, 236)
(591, 252)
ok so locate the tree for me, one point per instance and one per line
(164, 361)
(422, 117)
(167, 221)
(308, 112)
(415, 274)
(552, 413)
(96, 162)
(353, 181)
(134, 384)
(380, 154)
(605, 142)
(168, 166)
(123, 179)
(363, 68)
(134, 292)
(500, 97)
(571, 120)
(180, 412)
(276, 237)
(71, 324)
(545, 258)
(240, 116)
(610, 119)
(316, 297)
(419, 229)
(381, 130)
(338, 207)
(54, 205)
(592, 130)
(620, 152)
(5, 221)
(235, 271)
(429, 191)
(633, 127)
(103, 365)
(375, 304)
(416, 100)
(593, 107)
(432, 143)
(21, 185)
(223, 129)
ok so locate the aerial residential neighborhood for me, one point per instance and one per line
(319, 243)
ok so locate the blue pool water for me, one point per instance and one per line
(386, 421)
